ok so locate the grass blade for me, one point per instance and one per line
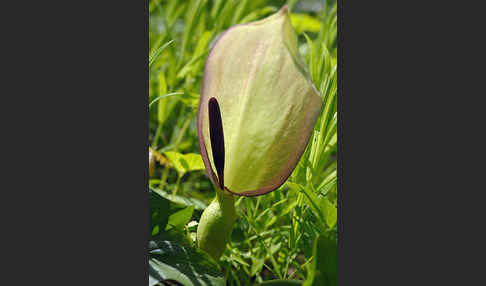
(156, 54)
(163, 96)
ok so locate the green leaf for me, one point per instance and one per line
(271, 221)
(162, 97)
(256, 265)
(288, 208)
(191, 17)
(166, 105)
(199, 52)
(179, 219)
(185, 162)
(159, 211)
(186, 265)
(329, 182)
(281, 282)
(162, 83)
(305, 23)
(258, 13)
(323, 269)
(190, 99)
(312, 200)
(330, 212)
(198, 205)
(239, 260)
(157, 52)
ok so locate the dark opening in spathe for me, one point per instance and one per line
(217, 138)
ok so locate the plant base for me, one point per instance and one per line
(216, 224)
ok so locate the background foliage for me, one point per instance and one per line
(289, 234)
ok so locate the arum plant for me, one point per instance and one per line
(256, 114)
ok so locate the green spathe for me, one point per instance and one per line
(268, 105)
(257, 110)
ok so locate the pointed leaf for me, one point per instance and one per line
(179, 219)
(185, 162)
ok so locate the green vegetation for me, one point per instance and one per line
(289, 234)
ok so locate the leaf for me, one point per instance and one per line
(312, 200)
(162, 83)
(198, 205)
(179, 219)
(159, 211)
(186, 265)
(281, 282)
(313, 63)
(323, 269)
(239, 260)
(258, 14)
(185, 162)
(162, 97)
(191, 13)
(305, 23)
(199, 52)
(288, 208)
(190, 99)
(329, 211)
(166, 105)
(328, 183)
(190, 67)
(256, 265)
(271, 221)
(274, 248)
(156, 54)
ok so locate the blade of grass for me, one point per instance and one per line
(156, 54)
(163, 96)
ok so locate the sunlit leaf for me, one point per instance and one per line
(185, 162)
(179, 219)
(329, 211)
(165, 105)
(305, 23)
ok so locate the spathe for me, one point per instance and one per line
(257, 107)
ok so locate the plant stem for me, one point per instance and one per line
(156, 137)
(174, 192)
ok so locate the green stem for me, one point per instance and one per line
(183, 131)
(163, 179)
(216, 224)
(156, 138)
(178, 182)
